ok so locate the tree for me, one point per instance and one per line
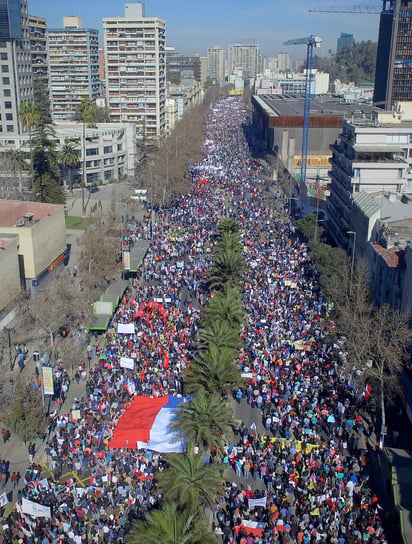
(30, 117)
(87, 110)
(172, 525)
(213, 370)
(68, 157)
(46, 172)
(189, 482)
(60, 305)
(42, 100)
(99, 250)
(221, 334)
(229, 225)
(15, 161)
(225, 305)
(26, 417)
(228, 264)
(205, 421)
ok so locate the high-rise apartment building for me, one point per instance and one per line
(217, 64)
(283, 61)
(246, 57)
(16, 84)
(135, 64)
(345, 40)
(38, 49)
(74, 67)
(393, 76)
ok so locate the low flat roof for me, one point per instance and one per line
(293, 105)
(13, 210)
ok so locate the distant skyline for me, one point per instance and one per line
(193, 26)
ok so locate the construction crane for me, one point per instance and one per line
(367, 10)
(311, 42)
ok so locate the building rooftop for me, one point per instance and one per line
(366, 203)
(390, 256)
(11, 211)
(6, 240)
(293, 105)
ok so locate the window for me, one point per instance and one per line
(6, 80)
(400, 172)
(356, 172)
(7, 105)
(93, 178)
(9, 117)
(4, 68)
(108, 149)
(396, 138)
(3, 56)
(119, 147)
(10, 128)
(92, 151)
(108, 174)
(6, 92)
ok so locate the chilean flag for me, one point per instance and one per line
(147, 423)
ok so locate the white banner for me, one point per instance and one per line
(126, 362)
(257, 502)
(125, 328)
(35, 509)
(3, 499)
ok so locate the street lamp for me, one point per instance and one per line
(353, 233)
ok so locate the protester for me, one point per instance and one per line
(310, 465)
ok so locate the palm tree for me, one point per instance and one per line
(228, 225)
(29, 115)
(220, 333)
(228, 262)
(225, 305)
(190, 482)
(87, 110)
(14, 159)
(172, 526)
(205, 421)
(214, 370)
(46, 172)
(68, 156)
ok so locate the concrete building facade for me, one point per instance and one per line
(74, 67)
(217, 64)
(373, 154)
(135, 64)
(246, 57)
(38, 49)
(111, 151)
(393, 76)
(16, 82)
(32, 223)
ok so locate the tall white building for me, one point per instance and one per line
(283, 61)
(74, 67)
(216, 64)
(135, 68)
(16, 82)
(246, 57)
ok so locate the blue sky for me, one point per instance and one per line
(195, 25)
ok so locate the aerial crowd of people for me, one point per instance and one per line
(305, 478)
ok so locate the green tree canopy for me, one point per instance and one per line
(189, 482)
(205, 421)
(172, 525)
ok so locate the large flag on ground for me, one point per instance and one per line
(146, 423)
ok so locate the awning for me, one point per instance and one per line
(378, 148)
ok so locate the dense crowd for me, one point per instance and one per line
(310, 464)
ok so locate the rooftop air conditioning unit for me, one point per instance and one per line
(20, 223)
